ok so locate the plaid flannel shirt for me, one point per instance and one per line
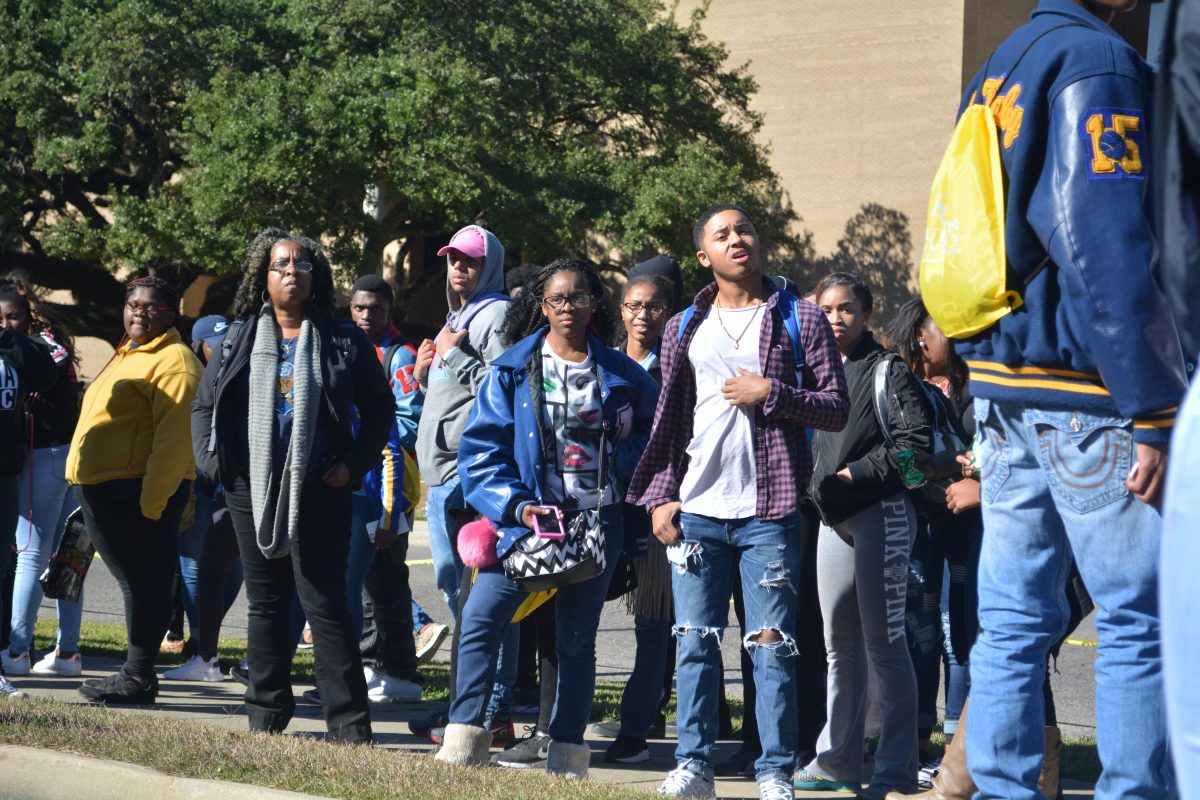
(782, 457)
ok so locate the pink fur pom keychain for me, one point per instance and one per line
(477, 543)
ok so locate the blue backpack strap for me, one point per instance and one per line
(688, 313)
(789, 309)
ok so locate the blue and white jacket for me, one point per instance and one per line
(500, 455)
(1095, 332)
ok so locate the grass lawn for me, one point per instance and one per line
(301, 764)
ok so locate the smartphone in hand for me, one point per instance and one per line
(549, 525)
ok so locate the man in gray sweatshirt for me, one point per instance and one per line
(449, 370)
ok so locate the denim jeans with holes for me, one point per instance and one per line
(768, 555)
(1054, 488)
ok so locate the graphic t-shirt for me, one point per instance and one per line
(721, 479)
(285, 406)
(571, 409)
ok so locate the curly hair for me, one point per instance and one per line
(523, 316)
(16, 287)
(904, 339)
(249, 298)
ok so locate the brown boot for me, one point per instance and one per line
(952, 781)
(1048, 779)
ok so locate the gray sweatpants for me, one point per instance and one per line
(862, 581)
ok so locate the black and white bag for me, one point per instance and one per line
(537, 564)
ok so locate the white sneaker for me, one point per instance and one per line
(682, 782)
(429, 639)
(51, 664)
(10, 692)
(776, 787)
(197, 669)
(383, 688)
(15, 665)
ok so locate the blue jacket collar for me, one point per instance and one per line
(1077, 13)
(515, 357)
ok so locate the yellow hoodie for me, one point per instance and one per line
(136, 421)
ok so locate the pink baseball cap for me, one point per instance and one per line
(468, 241)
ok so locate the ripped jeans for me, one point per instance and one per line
(768, 555)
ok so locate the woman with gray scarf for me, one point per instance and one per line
(290, 415)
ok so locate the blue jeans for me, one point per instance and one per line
(644, 689)
(419, 618)
(191, 548)
(1180, 597)
(486, 616)
(36, 537)
(362, 552)
(768, 554)
(958, 675)
(440, 507)
(923, 626)
(1053, 486)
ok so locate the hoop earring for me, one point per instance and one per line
(265, 297)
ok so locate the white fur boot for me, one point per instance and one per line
(465, 745)
(569, 760)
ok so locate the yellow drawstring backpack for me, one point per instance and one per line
(964, 269)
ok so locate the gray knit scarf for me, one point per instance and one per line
(275, 498)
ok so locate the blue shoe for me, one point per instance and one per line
(807, 781)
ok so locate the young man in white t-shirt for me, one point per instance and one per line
(722, 476)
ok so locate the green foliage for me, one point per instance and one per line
(166, 132)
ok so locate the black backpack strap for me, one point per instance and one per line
(387, 360)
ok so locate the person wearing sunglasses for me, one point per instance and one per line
(290, 417)
(132, 469)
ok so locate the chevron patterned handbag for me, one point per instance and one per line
(536, 564)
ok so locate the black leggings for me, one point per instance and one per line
(142, 555)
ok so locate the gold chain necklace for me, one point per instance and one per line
(737, 340)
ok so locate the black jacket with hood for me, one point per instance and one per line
(221, 410)
(861, 445)
(25, 366)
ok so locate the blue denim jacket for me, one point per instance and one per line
(500, 456)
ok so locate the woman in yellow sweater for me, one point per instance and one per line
(131, 463)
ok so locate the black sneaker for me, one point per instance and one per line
(240, 674)
(503, 733)
(531, 752)
(119, 688)
(423, 726)
(627, 750)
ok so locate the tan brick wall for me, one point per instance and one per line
(858, 97)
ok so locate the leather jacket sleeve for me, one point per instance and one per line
(487, 462)
(908, 423)
(1089, 213)
(203, 444)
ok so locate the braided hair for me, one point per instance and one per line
(249, 298)
(15, 287)
(904, 338)
(524, 317)
(167, 294)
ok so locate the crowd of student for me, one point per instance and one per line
(884, 513)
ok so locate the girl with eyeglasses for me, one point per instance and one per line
(289, 418)
(543, 412)
(132, 469)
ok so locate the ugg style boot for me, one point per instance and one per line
(465, 745)
(1048, 779)
(569, 760)
(952, 781)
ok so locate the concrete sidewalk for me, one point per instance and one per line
(221, 704)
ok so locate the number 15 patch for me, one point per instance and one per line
(1116, 137)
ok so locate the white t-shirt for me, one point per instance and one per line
(571, 408)
(720, 478)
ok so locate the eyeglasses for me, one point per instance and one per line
(653, 310)
(300, 266)
(148, 309)
(577, 300)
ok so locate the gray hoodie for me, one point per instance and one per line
(451, 384)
